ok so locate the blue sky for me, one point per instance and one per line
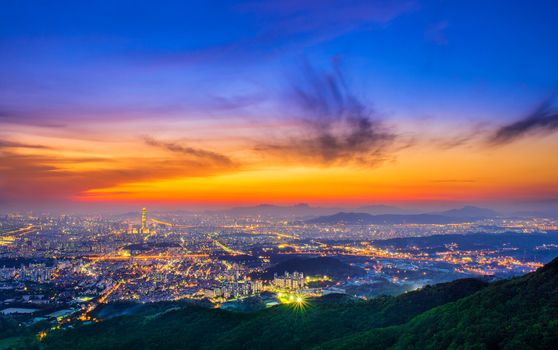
(476, 59)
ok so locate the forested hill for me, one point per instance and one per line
(521, 313)
(516, 314)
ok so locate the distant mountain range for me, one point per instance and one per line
(380, 209)
(520, 313)
(367, 219)
(453, 216)
(470, 212)
(305, 210)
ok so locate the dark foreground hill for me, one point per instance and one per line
(521, 313)
(322, 265)
(466, 314)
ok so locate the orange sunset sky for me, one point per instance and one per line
(398, 102)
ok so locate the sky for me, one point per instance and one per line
(218, 103)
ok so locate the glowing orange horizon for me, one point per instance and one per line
(116, 170)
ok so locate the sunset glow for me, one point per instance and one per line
(196, 126)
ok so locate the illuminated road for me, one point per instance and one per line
(109, 292)
(8, 237)
(227, 249)
(145, 257)
(21, 231)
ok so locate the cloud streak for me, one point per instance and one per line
(543, 120)
(38, 178)
(307, 15)
(289, 25)
(6, 144)
(436, 33)
(196, 153)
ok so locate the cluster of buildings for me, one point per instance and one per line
(291, 282)
(237, 289)
(294, 281)
(38, 273)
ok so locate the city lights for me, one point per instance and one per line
(87, 262)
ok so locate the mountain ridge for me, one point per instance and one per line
(384, 219)
(452, 216)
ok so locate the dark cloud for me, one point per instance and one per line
(197, 153)
(10, 144)
(334, 126)
(543, 120)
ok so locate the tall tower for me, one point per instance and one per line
(143, 219)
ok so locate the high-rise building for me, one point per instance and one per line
(143, 219)
(289, 281)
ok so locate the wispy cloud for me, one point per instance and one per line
(44, 178)
(334, 125)
(234, 102)
(4, 144)
(14, 116)
(454, 181)
(290, 25)
(304, 15)
(436, 33)
(42, 174)
(543, 120)
(196, 153)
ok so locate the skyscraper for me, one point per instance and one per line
(143, 219)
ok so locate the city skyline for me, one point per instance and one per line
(197, 105)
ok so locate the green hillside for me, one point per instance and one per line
(521, 313)
(466, 314)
